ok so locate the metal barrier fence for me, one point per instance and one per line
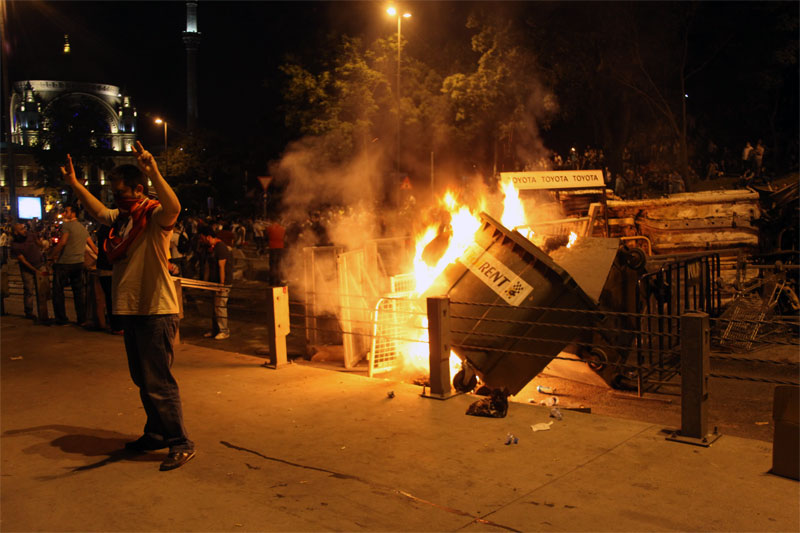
(687, 357)
(674, 341)
(662, 296)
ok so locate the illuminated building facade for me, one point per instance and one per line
(30, 98)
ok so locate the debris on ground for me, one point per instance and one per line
(390, 395)
(543, 426)
(555, 412)
(495, 406)
(511, 439)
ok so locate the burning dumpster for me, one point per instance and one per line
(506, 293)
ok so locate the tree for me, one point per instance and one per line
(669, 74)
(205, 164)
(75, 125)
(504, 100)
(341, 103)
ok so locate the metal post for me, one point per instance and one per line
(277, 326)
(399, 24)
(439, 344)
(695, 338)
(166, 151)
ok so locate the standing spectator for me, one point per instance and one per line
(226, 235)
(239, 233)
(620, 186)
(276, 233)
(144, 295)
(178, 248)
(69, 256)
(5, 243)
(758, 157)
(675, 183)
(258, 235)
(747, 153)
(220, 266)
(573, 159)
(27, 249)
(104, 279)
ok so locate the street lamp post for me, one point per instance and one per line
(166, 153)
(393, 12)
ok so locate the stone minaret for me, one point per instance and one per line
(191, 38)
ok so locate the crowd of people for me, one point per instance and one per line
(63, 250)
(653, 173)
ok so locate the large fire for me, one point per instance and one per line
(439, 245)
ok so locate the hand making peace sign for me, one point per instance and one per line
(145, 159)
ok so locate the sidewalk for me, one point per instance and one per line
(305, 449)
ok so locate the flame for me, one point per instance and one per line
(462, 228)
(513, 212)
(572, 238)
(453, 238)
(417, 354)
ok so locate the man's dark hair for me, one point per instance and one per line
(73, 206)
(130, 175)
(206, 231)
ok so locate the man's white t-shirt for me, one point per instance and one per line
(141, 283)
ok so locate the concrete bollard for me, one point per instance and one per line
(695, 351)
(438, 309)
(277, 325)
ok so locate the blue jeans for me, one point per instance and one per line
(28, 289)
(74, 275)
(149, 344)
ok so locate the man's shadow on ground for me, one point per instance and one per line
(90, 442)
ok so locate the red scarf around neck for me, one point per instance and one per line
(131, 221)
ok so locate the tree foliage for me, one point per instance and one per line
(340, 103)
(658, 80)
(77, 126)
(503, 99)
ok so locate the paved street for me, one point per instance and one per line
(306, 449)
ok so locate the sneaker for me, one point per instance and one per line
(222, 336)
(146, 443)
(175, 459)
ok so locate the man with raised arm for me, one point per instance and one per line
(143, 295)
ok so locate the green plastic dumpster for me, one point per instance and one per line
(505, 270)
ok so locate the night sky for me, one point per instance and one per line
(138, 46)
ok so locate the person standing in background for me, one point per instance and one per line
(27, 249)
(68, 256)
(220, 270)
(276, 234)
